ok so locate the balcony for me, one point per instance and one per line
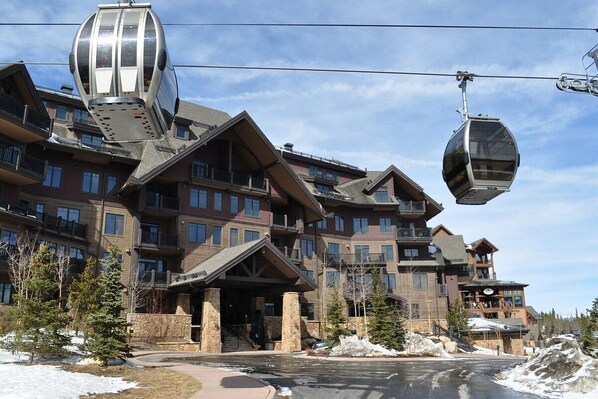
(414, 234)
(219, 177)
(63, 227)
(330, 194)
(159, 241)
(411, 209)
(284, 223)
(154, 279)
(291, 253)
(367, 259)
(20, 123)
(19, 168)
(161, 204)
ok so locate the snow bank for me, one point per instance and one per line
(353, 346)
(561, 370)
(50, 382)
(418, 345)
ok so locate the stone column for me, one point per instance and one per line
(183, 304)
(258, 303)
(210, 323)
(291, 323)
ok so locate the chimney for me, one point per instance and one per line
(288, 147)
(68, 89)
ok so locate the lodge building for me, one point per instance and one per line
(223, 235)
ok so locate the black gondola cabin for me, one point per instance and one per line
(480, 160)
(123, 73)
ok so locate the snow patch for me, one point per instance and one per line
(561, 370)
(418, 345)
(356, 347)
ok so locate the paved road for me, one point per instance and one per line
(313, 377)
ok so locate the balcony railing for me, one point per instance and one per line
(291, 253)
(162, 202)
(21, 161)
(414, 233)
(62, 226)
(158, 239)
(241, 179)
(411, 207)
(111, 149)
(331, 194)
(283, 221)
(357, 259)
(155, 279)
(23, 112)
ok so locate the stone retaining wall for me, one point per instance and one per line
(160, 327)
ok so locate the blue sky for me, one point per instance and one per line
(544, 228)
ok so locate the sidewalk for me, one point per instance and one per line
(215, 383)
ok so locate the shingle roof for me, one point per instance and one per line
(452, 247)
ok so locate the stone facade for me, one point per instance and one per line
(291, 322)
(160, 327)
(210, 326)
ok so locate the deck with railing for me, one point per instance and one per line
(158, 240)
(162, 202)
(357, 259)
(19, 161)
(414, 234)
(234, 179)
(155, 279)
(24, 113)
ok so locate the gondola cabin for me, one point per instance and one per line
(123, 73)
(480, 160)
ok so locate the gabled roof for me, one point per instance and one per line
(481, 243)
(441, 228)
(452, 248)
(154, 160)
(25, 85)
(217, 265)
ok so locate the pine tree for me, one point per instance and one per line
(37, 319)
(108, 328)
(386, 325)
(457, 318)
(84, 297)
(336, 318)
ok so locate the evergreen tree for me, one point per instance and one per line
(385, 326)
(37, 320)
(457, 318)
(108, 328)
(84, 297)
(336, 318)
(586, 340)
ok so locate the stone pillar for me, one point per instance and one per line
(210, 321)
(258, 303)
(183, 304)
(291, 323)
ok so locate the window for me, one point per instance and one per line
(147, 265)
(333, 279)
(80, 115)
(307, 248)
(115, 224)
(251, 235)
(334, 250)
(198, 198)
(91, 140)
(111, 184)
(40, 209)
(76, 253)
(420, 281)
(5, 291)
(53, 175)
(234, 237)
(322, 224)
(387, 252)
(61, 112)
(360, 225)
(385, 226)
(217, 235)
(252, 207)
(234, 204)
(181, 131)
(339, 223)
(411, 252)
(390, 281)
(9, 237)
(322, 188)
(69, 214)
(415, 311)
(196, 233)
(201, 169)
(91, 182)
(308, 311)
(310, 274)
(362, 253)
(381, 195)
(217, 201)
(52, 247)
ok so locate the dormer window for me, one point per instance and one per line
(381, 195)
(181, 131)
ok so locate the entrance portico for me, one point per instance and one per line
(243, 284)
